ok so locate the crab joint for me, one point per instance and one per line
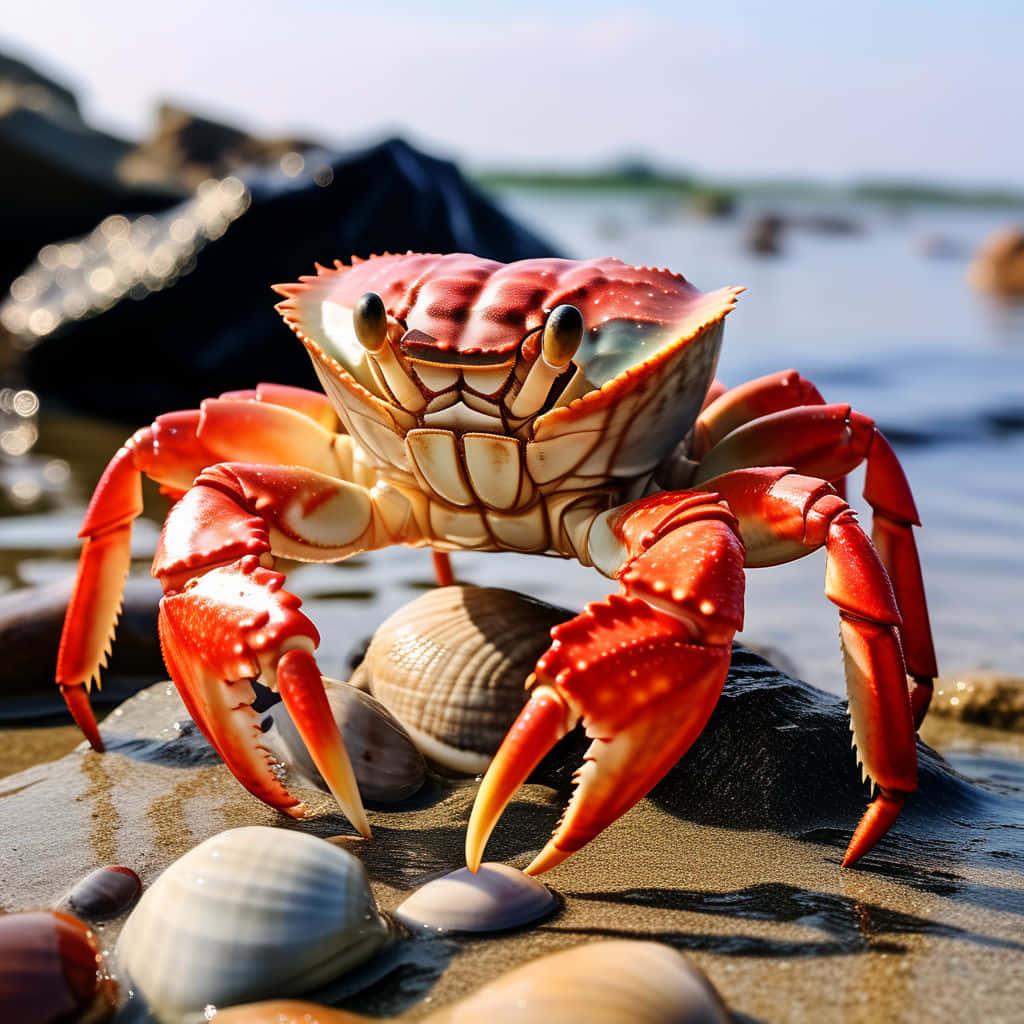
(371, 323)
(563, 333)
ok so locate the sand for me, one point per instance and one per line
(929, 927)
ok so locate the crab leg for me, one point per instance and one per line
(828, 441)
(783, 515)
(225, 619)
(643, 669)
(286, 424)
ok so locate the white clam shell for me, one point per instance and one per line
(622, 981)
(248, 914)
(452, 666)
(495, 898)
(387, 764)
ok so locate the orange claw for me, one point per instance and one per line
(643, 679)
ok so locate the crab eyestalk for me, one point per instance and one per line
(371, 323)
(563, 333)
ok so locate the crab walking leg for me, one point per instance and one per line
(224, 619)
(280, 423)
(643, 669)
(828, 441)
(782, 516)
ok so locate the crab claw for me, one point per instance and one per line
(226, 620)
(644, 691)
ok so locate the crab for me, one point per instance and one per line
(545, 406)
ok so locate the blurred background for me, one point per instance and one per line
(859, 169)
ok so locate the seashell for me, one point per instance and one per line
(290, 1011)
(452, 666)
(622, 981)
(250, 913)
(51, 971)
(105, 892)
(497, 897)
(387, 765)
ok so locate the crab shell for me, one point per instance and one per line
(464, 334)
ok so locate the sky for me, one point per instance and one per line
(809, 89)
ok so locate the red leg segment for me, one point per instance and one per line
(783, 515)
(642, 669)
(225, 619)
(828, 441)
(284, 424)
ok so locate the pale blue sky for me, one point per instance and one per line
(728, 88)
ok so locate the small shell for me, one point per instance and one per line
(387, 765)
(452, 666)
(250, 913)
(51, 970)
(495, 898)
(622, 981)
(105, 892)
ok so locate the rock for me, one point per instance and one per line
(195, 281)
(58, 175)
(764, 236)
(982, 698)
(998, 266)
(31, 619)
(184, 149)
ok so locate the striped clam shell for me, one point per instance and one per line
(452, 666)
(621, 981)
(387, 765)
(249, 914)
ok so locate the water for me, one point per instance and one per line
(866, 316)
(873, 322)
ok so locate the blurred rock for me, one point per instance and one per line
(185, 149)
(998, 266)
(765, 235)
(713, 203)
(982, 698)
(31, 619)
(159, 312)
(58, 176)
(933, 246)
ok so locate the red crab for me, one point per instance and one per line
(545, 406)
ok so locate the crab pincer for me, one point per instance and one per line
(642, 669)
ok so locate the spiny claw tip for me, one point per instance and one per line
(877, 820)
(551, 856)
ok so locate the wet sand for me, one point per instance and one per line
(929, 926)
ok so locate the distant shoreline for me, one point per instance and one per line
(896, 192)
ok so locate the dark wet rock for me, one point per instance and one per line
(777, 754)
(31, 620)
(160, 312)
(58, 175)
(982, 698)
(105, 892)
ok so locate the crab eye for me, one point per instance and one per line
(370, 319)
(563, 333)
